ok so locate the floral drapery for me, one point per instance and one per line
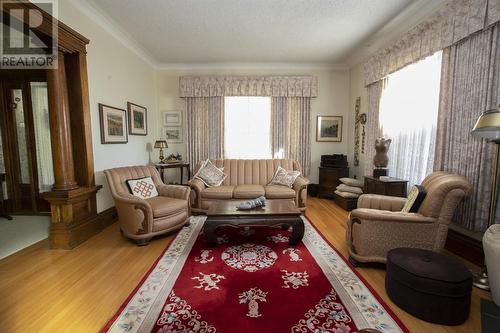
(205, 128)
(470, 84)
(372, 123)
(274, 86)
(457, 20)
(290, 127)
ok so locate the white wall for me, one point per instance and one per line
(333, 99)
(116, 75)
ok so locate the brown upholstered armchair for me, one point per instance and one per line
(141, 219)
(378, 225)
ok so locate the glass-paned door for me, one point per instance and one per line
(26, 147)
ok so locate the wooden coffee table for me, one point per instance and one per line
(276, 212)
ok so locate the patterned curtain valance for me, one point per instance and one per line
(457, 20)
(275, 86)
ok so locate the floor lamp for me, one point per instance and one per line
(488, 127)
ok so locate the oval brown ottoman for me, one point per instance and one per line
(429, 285)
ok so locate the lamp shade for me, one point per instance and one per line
(488, 125)
(161, 144)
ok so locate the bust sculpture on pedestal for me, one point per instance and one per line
(381, 160)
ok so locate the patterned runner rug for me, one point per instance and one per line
(252, 282)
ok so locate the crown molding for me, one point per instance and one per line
(251, 65)
(89, 8)
(408, 18)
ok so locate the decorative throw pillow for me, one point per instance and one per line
(347, 194)
(143, 188)
(284, 177)
(415, 198)
(211, 175)
(352, 182)
(351, 189)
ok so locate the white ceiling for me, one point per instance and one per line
(194, 32)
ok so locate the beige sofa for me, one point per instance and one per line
(141, 219)
(248, 179)
(378, 225)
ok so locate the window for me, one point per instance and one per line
(408, 116)
(247, 127)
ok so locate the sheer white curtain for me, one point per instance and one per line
(408, 116)
(40, 107)
(247, 127)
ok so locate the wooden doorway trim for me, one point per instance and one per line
(73, 198)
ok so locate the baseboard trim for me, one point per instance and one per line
(107, 217)
(466, 247)
(69, 236)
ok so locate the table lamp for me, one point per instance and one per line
(160, 144)
(488, 127)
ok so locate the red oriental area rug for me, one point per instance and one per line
(252, 282)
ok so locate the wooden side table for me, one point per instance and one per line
(329, 180)
(393, 187)
(178, 165)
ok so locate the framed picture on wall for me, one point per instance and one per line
(172, 118)
(329, 129)
(173, 134)
(137, 119)
(113, 124)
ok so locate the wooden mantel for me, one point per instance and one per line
(74, 215)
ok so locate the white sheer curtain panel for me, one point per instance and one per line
(40, 107)
(408, 116)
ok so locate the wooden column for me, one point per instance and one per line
(78, 98)
(60, 128)
(73, 199)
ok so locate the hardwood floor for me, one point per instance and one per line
(44, 290)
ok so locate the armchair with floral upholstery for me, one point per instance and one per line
(378, 224)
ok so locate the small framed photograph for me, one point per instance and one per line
(113, 124)
(137, 119)
(172, 118)
(329, 128)
(173, 134)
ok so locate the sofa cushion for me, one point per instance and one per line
(210, 174)
(143, 187)
(350, 189)
(279, 192)
(248, 191)
(219, 192)
(284, 177)
(415, 198)
(163, 206)
(349, 195)
(352, 182)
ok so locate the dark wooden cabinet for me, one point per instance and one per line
(329, 180)
(394, 187)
